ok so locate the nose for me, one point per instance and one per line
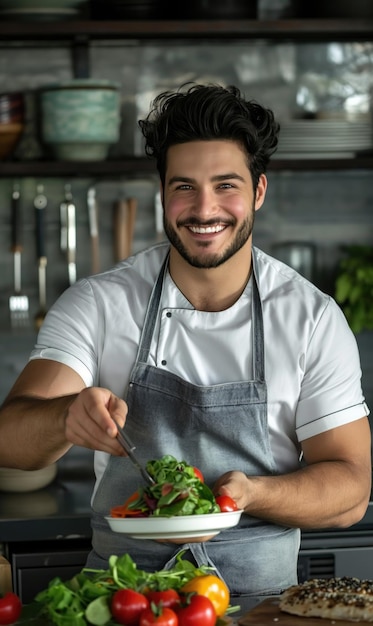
(205, 203)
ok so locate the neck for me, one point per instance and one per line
(214, 289)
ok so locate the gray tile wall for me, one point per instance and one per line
(328, 208)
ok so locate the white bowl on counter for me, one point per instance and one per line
(16, 480)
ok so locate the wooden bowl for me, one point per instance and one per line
(9, 136)
(12, 108)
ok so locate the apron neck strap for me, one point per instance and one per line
(257, 321)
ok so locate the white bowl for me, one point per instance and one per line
(177, 527)
(21, 480)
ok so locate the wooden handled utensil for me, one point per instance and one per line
(124, 219)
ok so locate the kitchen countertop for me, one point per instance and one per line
(59, 511)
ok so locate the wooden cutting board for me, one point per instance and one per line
(267, 613)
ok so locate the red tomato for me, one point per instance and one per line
(198, 611)
(10, 608)
(198, 474)
(168, 598)
(162, 616)
(127, 606)
(226, 503)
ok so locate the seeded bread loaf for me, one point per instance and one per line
(342, 598)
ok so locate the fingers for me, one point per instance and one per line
(118, 410)
(89, 420)
(235, 485)
(225, 484)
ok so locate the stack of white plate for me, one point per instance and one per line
(321, 138)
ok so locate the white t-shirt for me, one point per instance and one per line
(312, 365)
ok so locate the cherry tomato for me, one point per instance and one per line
(213, 588)
(127, 606)
(10, 608)
(198, 474)
(168, 598)
(226, 504)
(198, 611)
(163, 616)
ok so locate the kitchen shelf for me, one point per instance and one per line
(106, 169)
(141, 166)
(79, 34)
(289, 29)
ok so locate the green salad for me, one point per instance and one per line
(179, 489)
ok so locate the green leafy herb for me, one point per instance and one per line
(85, 598)
(354, 287)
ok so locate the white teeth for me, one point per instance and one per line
(202, 230)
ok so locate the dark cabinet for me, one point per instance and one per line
(35, 564)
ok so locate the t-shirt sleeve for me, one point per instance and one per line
(331, 393)
(71, 332)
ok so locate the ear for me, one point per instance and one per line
(260, 192)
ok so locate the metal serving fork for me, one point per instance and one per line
(128, 446)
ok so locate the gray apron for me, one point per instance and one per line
(216, 428)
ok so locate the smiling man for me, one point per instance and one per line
(207, 349)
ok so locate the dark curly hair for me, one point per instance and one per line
(208, 112)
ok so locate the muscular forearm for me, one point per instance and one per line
(32, 431)
(324, 495)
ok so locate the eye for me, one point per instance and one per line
(226, 186)
(184, 187)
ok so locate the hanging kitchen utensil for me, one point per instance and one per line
(71, 241)
(120, 230)
(40, 204)
(93, 229)
(131, 220)
(160, 235)
(124, 219)
(18, 302)
(68, 232)
(63, 224)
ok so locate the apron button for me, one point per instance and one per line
(168, 314)
(163, 362)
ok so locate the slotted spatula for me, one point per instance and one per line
(18, 301)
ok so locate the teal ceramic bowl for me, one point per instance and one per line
(80, 119)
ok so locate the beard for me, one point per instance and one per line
(206, 260)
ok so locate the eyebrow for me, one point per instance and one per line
(217, 178)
